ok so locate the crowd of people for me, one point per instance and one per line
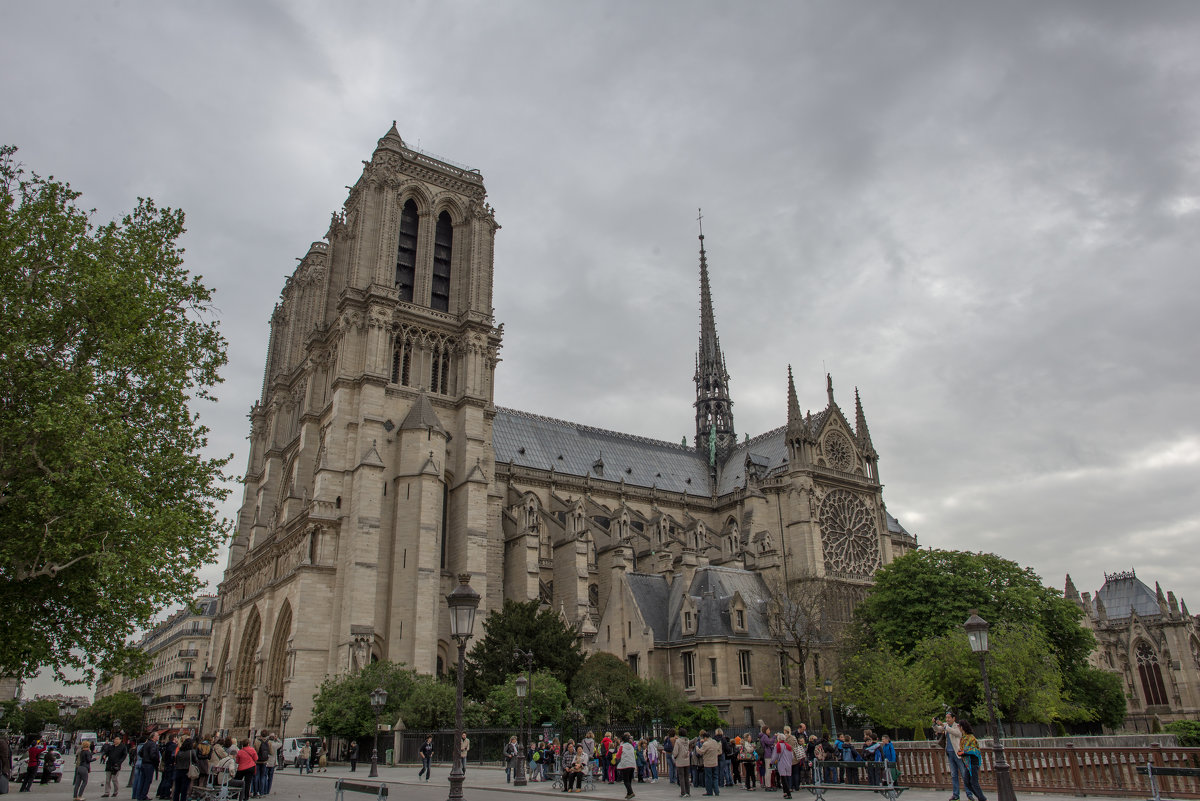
(170, 766)
(753, 760)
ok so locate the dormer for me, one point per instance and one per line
(738, 614)
(689, 617)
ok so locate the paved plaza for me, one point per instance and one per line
(482, 784)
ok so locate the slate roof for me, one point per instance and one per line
(894, 526)
(1124, 590)
(711, 589)
(530, 440)
(544, 443)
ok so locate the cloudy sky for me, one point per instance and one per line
(984, 216)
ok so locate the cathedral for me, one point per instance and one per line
(381, 468)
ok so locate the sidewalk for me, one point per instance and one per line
(487, 779)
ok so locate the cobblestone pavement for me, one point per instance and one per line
(482, 784)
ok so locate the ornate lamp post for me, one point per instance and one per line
(147, 698)
(463, 602)
(526, 698)
(519, 779)
(285, 712)
(207, 679)
(977, 634)
(829, 695)
(378, 701)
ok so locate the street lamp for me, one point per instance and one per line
(207, 679)
(463, 602)
(977, 634)
(378, 701)
(526, 708)
(829, 695)
(285, 712)
(519, 779)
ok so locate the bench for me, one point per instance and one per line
(589, 783)
(342, 786)
(889, 789)
(228, 791)
(1152, 770)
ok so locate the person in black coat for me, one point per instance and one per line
(113, 755)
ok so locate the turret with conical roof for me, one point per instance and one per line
(714, 408)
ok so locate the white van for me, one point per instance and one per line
(291, 748)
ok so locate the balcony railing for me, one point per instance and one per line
(192, 652)
(184, 674)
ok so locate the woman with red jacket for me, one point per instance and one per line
(247, 761)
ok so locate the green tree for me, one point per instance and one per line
(695, 718)
(661, 699)
(1188, 732)
(14, 718)
(555, 645)
(1098, 695)
(430, 705)
(107, 506)
(605, 689)
(123, 706)
(1026, 683)
(342, 705)
(36, 715)
(546, 700)
(888, 690)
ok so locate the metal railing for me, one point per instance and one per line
(1067, 770)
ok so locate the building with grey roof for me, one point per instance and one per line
(1151, 639)
(381, 468)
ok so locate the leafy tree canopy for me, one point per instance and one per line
(107, 506)
(1096, 696)
(342, 705)
(556, 646)
(430, 705)
(1025, 679)
(695, 718)
(605, 689)
(123, 706)
(1188, 732)
(891, 692)
(546, 701)
(36, 715)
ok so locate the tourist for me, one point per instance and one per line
(511, 749)
(626, 759)
(573, 768)
(167, 767)
(886, 753)
(652, 751)
(426, 752)
(781, 763)
(748, 758)
(709, 751)
(681, 756)
(148, 762)
(83, 769)
(186, 764)
(668, 756)
(464, 746)
(972, 761)
(950, 738)
(352, 755)
(247, 759)
(114, 755)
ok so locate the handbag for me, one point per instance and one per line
(193, 771)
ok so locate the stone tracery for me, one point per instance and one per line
(848, 534)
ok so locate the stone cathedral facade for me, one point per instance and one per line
(381, 467)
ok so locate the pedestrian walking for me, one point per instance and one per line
(950, 738)
(782, 763)
(626, 759)
(972, 760)
(247, 759)
(187, 770)
(83, 770)
(681, 756)
(426, 758)
(352, 755)
(113, 757)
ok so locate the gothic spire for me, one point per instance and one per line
(794, 416)
(714, 409)
(391, 140)
(829, 389)
(1069, 591)
(860, 426)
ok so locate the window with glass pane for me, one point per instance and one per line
(744, 667)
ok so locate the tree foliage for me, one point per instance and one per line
(123, 706)
(606, 689)
(546, 700)
(36, 715)
(555, 645)
(1188, 732)
(342, 705)
(107, 506)
(890, 691)
(430, 705)
(918, 605)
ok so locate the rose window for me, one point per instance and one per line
(848, 534)
(838, 452)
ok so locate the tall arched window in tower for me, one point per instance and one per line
(406, 252)
(443, 244)
(1151, 675)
